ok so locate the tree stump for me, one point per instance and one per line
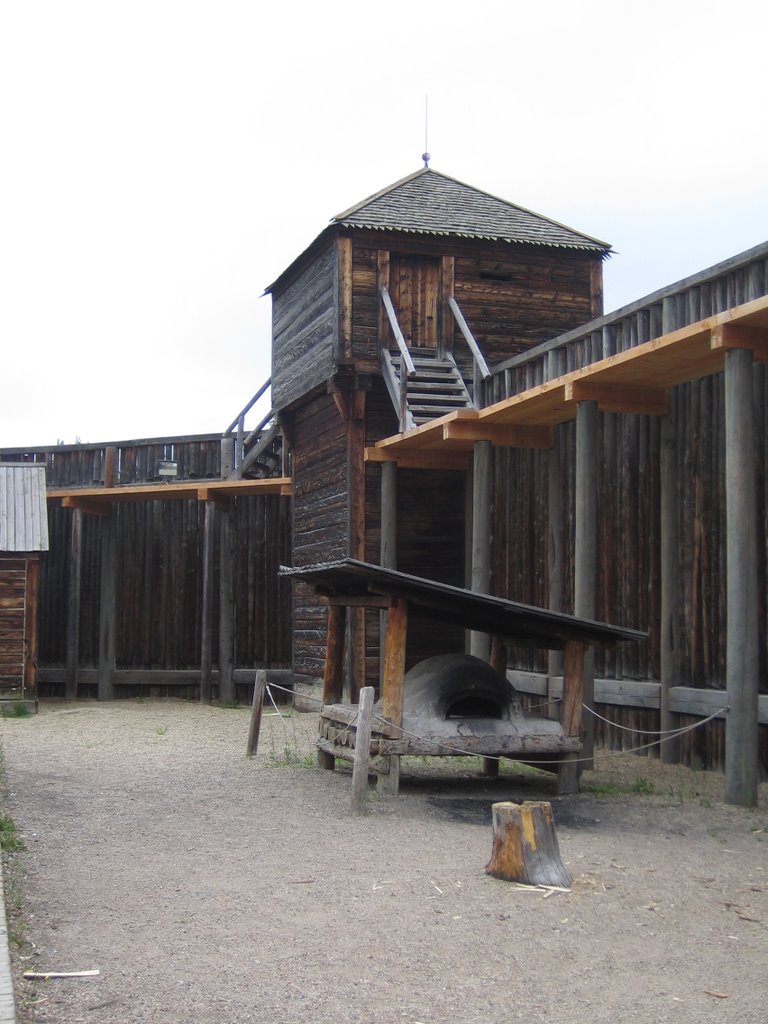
(525, 845)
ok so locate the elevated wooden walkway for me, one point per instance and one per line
(634, 381)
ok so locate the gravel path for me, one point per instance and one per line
(209, 888)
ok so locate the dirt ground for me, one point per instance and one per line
(208, 887)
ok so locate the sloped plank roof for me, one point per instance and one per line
(541, 627)
(428, 202)
(23, 514)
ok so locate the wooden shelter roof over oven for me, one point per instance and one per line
(520, 623)
(434, 204)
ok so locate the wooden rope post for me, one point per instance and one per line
(257, 706)
(362, 750)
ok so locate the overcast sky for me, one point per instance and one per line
(163, 161)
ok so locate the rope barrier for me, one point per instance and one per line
(664, 735)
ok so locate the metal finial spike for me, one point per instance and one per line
(426, 158)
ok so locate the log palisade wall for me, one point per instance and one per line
(629, 507)
(159, 558)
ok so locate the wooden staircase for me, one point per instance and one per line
(435, 388)
(256, 454)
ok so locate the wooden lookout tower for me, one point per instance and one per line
(390, 318)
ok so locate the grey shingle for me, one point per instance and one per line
(431, 203)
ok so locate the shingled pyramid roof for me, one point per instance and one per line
(431, 203)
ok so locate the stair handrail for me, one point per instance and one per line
(392, 317)
(241, 441)
(474, 348)
(394, 385)
(405, 356)
(239, 420)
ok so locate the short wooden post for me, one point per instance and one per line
(257, 706)
(742, 645)
(362, 750)
(570, 713)
(525, 847)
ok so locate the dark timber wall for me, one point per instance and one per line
(159, 574)
(304, 330)
(628, 571)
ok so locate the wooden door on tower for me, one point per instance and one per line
(414, 284)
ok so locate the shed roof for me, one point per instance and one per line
(23, 515)
(428, 202)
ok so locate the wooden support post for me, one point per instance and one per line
(31, 609)
(669, 751)
(555, 565)
(356, 531)
(392, 684)
(482, 517)
(570, 713)
(110, 466)
(108, 604)
(585, 548)
(257, 706)
(742, 645)
(206, 629)
(333, 676)
(226, 609)
(388, 549)
(362, 750)
(525, 847)
(73, 603)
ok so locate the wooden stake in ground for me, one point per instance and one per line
(525, 845)
(257, 707)
(362, 751)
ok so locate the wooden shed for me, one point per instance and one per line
(23, 535)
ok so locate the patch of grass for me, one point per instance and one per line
(287, 746)
(642, 786)
(10, 840)
(290, 757)
(161, 730)
(16, 709)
